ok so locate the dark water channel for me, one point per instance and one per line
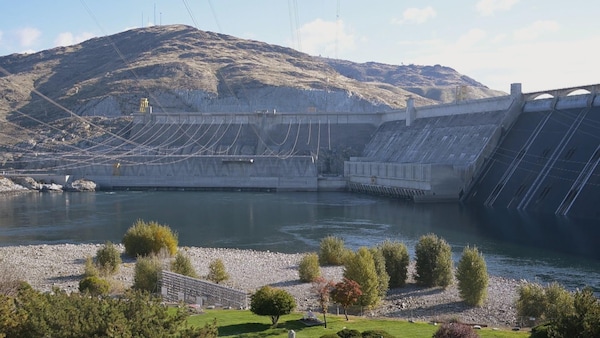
(520, 246)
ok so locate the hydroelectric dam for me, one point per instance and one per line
(525, 151)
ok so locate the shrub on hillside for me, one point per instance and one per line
(94, 286)
(396, 262)
(144, 238)
(183, 265)
(147, 273)
(217, 272)
(108, 259)
(434, 261)
(472, 277)
(309, 269)
(332, 251)
(455, 330)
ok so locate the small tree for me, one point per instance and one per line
(360, 267)
(272, 302)
(346, 293)
(146, 275)
(332, 251)
(309, 269)
(434, 261)
(322, 288)
(108, 259)
(217, 272)
(183, 265)
(143, 238)
(472, 277)
(396, 262)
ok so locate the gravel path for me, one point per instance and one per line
(61, 266)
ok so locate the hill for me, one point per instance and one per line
(182, 69)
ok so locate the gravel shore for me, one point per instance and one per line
(61, 266)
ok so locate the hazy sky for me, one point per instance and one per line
(543, 44)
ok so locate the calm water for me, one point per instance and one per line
(515, 245)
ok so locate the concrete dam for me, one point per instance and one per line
(520, 151)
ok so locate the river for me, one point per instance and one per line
(519, 246)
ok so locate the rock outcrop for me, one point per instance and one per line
(7, 185)
(26, 183)
(81, 185)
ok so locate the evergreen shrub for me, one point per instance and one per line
(434, 262)
(309, 269)
(472, 277)
(396, 262)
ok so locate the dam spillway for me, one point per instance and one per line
(515, 151)
(548, 161)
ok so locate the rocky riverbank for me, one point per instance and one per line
(18, 184)
(61, 266)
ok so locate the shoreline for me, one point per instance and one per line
(46, 266)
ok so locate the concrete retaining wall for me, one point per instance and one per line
(177, 288)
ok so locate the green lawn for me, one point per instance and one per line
(235, 323)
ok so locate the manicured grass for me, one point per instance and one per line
(246, 324)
